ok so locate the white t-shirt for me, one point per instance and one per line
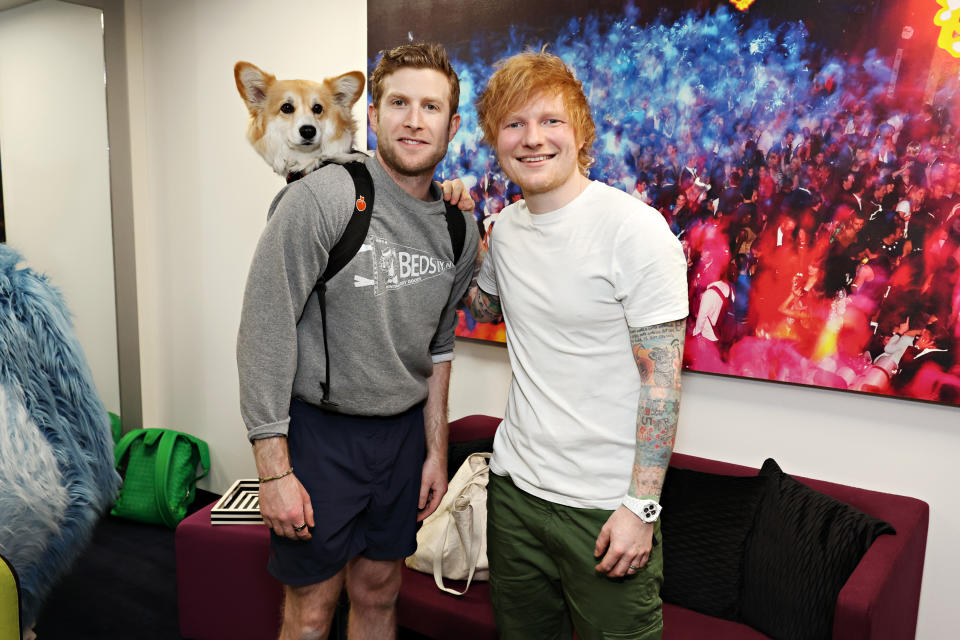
(570, 282)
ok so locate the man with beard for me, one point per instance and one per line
(341, 400)
(592, 287)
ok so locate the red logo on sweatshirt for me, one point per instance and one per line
(361, 204)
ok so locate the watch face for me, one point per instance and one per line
(645, 509)
(649, 512)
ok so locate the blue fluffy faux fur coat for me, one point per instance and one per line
(56, 453)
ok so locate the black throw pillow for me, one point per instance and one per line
(802, 550)
(705, 521)
(458, 452)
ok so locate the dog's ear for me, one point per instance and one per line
(252, 83)
(346, 88)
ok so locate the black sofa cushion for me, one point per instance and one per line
(803, 548)
(705, 521)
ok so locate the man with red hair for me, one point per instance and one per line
(592, 285)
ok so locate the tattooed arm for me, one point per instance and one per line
(484, 307)
(658, 351)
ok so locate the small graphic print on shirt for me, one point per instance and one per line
(396, 265)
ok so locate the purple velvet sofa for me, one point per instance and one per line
(879, 601)
(224, 590)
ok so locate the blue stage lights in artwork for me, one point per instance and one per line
(698, 81)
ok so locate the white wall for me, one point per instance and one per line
(201, 192)
(56, 184)
(201, 196)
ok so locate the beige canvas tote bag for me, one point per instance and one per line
(452, 542)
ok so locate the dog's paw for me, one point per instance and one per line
(347, 156)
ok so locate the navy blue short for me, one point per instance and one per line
(363, 477)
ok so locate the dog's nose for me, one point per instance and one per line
(308, 131)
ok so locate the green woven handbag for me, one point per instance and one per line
(160, 469)
(116, 427)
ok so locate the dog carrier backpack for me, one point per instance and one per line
(352, 239)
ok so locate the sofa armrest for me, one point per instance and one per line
(881, 598)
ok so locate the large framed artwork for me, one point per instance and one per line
(805, 153)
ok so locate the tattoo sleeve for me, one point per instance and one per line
(484, 307)
(658, 351)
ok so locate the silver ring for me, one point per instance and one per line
(300, 528)
(633, 568)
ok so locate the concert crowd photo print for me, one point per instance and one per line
(805, 154)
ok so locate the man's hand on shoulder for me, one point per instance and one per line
(456, 193)
(433, 486)
(625, 542)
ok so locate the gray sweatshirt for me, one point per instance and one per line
(391, 310)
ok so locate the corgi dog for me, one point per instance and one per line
(296, 125)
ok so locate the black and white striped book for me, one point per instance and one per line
(239, 505)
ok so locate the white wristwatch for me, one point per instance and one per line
(647, 510)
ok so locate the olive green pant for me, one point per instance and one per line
(542, 578)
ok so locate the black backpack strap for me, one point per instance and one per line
(352, 239)
(343, 252)
(356, 230)
(457, 228)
